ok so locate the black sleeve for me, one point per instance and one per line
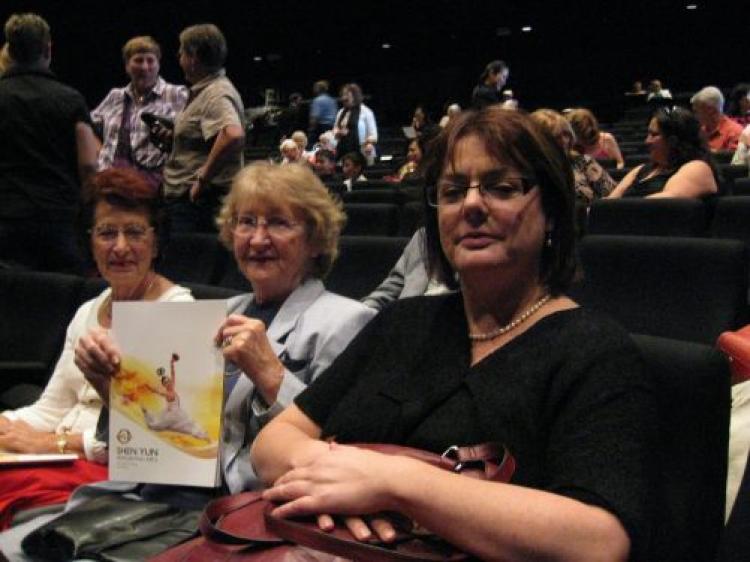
(318, 399)
(603, 435)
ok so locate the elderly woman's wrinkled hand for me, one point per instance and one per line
(245, 343)
(98, 358)
(20, 437)
(347, 481)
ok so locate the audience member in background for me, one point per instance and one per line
(680, 163)
(355, 128)
(4, 59)
(290, 152)
(352, 166)
(322, 110)
(491, 82)
(292, 117)
(589, 139)
(509, 102)
(509, 358)
(208, 135)
(636, 90)
(739, 104)
(590, 179)
(125, 136)
(722, 133)
(324, 164)
(451, 111)
(47, 151)
(283, 228)
(420, 120)
(301, 139)
(122, 224)
(741, 156)
(656, 92)
(413, 157)
(327, 141)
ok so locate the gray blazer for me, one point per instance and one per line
(408, 278)
(310, 330)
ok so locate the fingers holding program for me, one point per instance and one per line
(98, 358)
(245, 343)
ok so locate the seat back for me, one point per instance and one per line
(691, 382)
(648, 217)
(371, 219)
(690, 289)
(732, 218)
(363, 263)
(35, 310)
(193, 258)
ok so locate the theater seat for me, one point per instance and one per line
(194, 258)
(371, 219)
(35, 308)
(648, 217)
(203, 292)
(689, 289)
(732, 218)
(741, 186)
(363, 263)
(691, 383)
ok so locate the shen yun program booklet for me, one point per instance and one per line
(166, 400)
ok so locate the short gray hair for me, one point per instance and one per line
(711, 96)
(206, 42)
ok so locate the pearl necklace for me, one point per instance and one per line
(513, 323)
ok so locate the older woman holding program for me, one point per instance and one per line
(508, 359)
(122, 222)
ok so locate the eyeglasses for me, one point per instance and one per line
(448, 193)
(108, 234)
(247, 225)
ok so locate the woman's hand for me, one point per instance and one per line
(346, 480)
(98, 358)
(245, 343)
(20, 437)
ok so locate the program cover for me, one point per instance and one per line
(166, 400)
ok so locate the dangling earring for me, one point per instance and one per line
(548, 241)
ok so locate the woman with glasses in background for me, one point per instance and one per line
(679, 164)
(508, 359)
(121, 224)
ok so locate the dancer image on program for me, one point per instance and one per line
(172, 417)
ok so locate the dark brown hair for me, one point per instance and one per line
(510, 136)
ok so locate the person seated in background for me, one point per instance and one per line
(283, 228)
(590, 179)
(636, 90)
(739, 104)
(290, 152)
(4, 59)
(301, 139)
(324, 165)
(122, 224)
(420, 120)
(451, 111)
(352, 166)
(413, 158)
(656, 92)
(125, 136)
(741, 156)
(590, 140)
(507, 359)
(721, 132)
(327, 141)
(680, 163)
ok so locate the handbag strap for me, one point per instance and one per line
(221, 507)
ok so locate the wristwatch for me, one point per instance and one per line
(62, 442)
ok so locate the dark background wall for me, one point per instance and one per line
(583, 52)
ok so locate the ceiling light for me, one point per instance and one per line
(257, 58)
(526, 28)
(386, 45)
(692, 6)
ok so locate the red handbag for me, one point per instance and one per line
(241, 528)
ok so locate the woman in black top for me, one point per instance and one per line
(680, 163)
(491, 81)
(509, 358)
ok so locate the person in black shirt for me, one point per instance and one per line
(491, 82)
(47, 150)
